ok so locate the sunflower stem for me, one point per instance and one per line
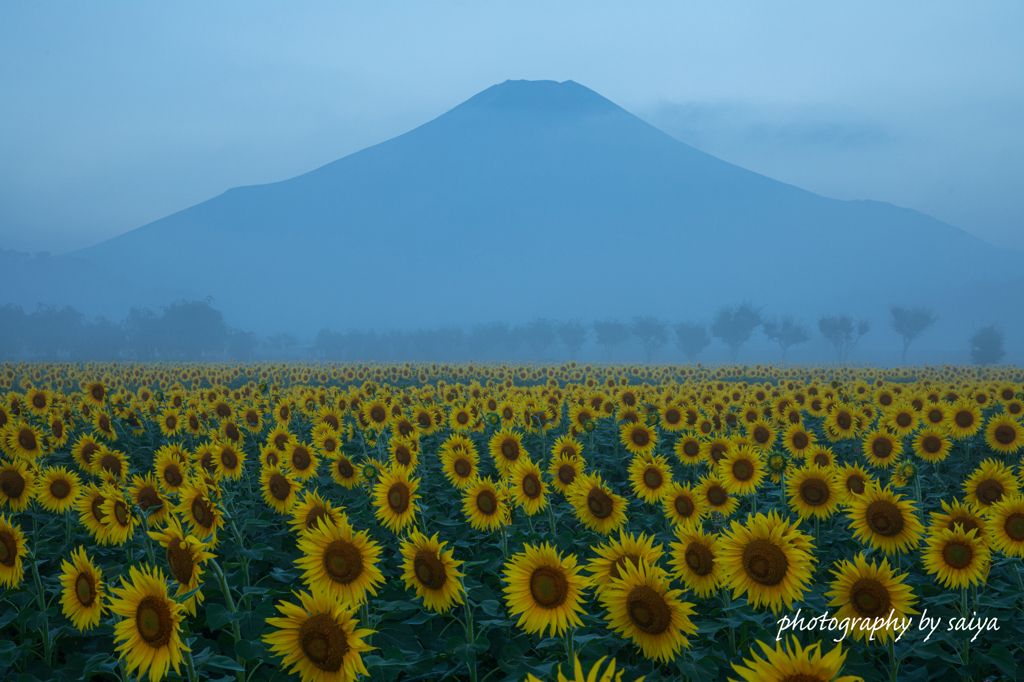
(894, 665)
(190, 667)
(470, 640)
(39, 591)
(966, 657)
(240, 674)
(551, 519)
(727, 601)
(569, 646)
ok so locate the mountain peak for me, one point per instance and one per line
(552, 96)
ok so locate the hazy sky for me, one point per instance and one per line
(116, 114)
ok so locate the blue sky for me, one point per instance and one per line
(116, 114)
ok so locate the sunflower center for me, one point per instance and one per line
(903, 420)
(27, 439)
(761, 435)
(964, 418)
(180, 560)
(884, 518)
(620, 563)
(800, 440)
(343, 562)
(653, 478)
(487, 502)
(88, 450)
(549, 587)
(599, 503)
(345, 468)
(402, 455)
(844, 421)
(821, 459)
(882, 448)
(640, 438)
(60, 489)
(172, 474)
(153, 621)
(935, 416)
(743, 470)
(765, 562)
(814, 492)
(1004, 434)
(121, 513)
(870, 598)
(462, 418)
(990, 491)
(314, 515)
(323, 642)
(8, 548)
(855, 484)
(279, 486)
(699, 558)
(463, 467)
(648, 610)
(717, 496)
(931, 444)
(300, 458)
(1014, 527)
(202, 513)
(148, 498)
(97, 393)
(957, 555)
(85, 589)
(509, 450)
(566, 474)
(683, 505)
(95, 505)
(531, 486)
(398, 497)
(12, 483)
(691, 448)
(673, 416)
(429, 569)
(229, 459)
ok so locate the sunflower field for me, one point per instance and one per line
(506, 523)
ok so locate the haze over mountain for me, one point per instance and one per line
(530, 198)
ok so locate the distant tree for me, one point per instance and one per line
(987, 345)
(692, 338)
(282, 342)
(573, 335)
(651, 332)
(910, 323)
(734, 325)
(540, 334)
(786, 332)
(240, 345)
(843, 333)
(486, 340)
(13, 325)
(611, 334)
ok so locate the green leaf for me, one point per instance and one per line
(491, 607)
(250, 650)
(217, 616)
(224, 663)
(1003, 660)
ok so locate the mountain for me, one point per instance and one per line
(533, 198)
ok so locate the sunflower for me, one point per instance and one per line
(612, 557)
(461, 419)
(83, 596)
(58, 431)
(958, 514)
(90, 512)
(865, 591)
(12, 551)
(854, 480)
(990, 483)
(885, 521)
(689, 450)
(957, 558)
(432, 572)
(901, 419)
(934, 415)
(506, 448)
(682, 505)
(694, 560)
(103, 427)
(57, 489)
(768, 559)
(741, 471)
(638, 438)
(95, 393)
(344, 472)
(39, 401)
(484, 505)
(715, 497)
(881, 448)
(544, 589)
(185, 556)
(716, 449)
(118, 518)
(84, 450)
(1004, 434)
(596, 506)
(820, 455)
(145, 493)
(964, 419)
(376, 414)
(111, 465)
(404, 453)
(301, 459)
(171, 423)
(566, 446)
(17, 485)
(813, 491)
(762, 435)
(797, 440)
(326, 440)
(932, 444)
(794, 663)
(280, 488)
(149, 637)
(563, 471)
(1006, 521)
(228, 459)
(650, 477)
(318, 639)
(394, 498)
(280, 437)
(202, 515)
(24, 441)
(313, 510)
(528, 489)
(339, 561)
(642, 607)
(171, 472)
(595, 674)
(671, 418)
